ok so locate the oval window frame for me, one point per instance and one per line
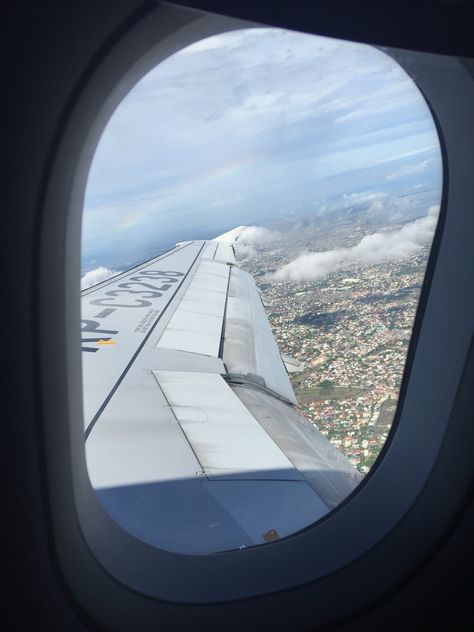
(315, 553)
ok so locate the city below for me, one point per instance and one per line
(351, 330)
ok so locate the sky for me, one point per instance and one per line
(252, 126)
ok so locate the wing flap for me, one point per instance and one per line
(226, 438)
(327, 471)
(137, 439)
(225, 252)
(249, 346)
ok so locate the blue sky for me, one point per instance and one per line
(253, 125)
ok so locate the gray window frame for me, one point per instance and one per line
(109, 570)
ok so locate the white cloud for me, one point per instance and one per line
(385, 99)
(375, 202)
(258, 235)
(97, 276)
(372, 249)
(253, 237)
(248, 119)
(242, 83)
(364, 198)
(408, 170)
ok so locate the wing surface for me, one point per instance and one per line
(193, 443)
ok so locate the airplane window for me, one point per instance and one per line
(257, 224)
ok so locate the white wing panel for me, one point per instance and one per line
(225, 253)
(231, 236)
(137, 439)
(225, 436)
(196, 325)
(119, 315)
(209, 250)
(249, 345)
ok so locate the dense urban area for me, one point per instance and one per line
(351, 330)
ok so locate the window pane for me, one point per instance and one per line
(224, 409)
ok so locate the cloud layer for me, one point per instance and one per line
(372, 249)
(97, 276)
(248, 126)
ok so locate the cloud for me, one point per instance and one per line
(251, 86)
(390, 97)
(371, 200)
(240, 124)
(377, 203)
(408, 170)
(97, 276)
(372, 249)
(252, 238)
(258, 235)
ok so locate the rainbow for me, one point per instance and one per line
(217, 174)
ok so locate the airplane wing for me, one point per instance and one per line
(193, 441)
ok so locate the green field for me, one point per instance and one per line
(305, 395)
(300, 377)
(319, 393)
